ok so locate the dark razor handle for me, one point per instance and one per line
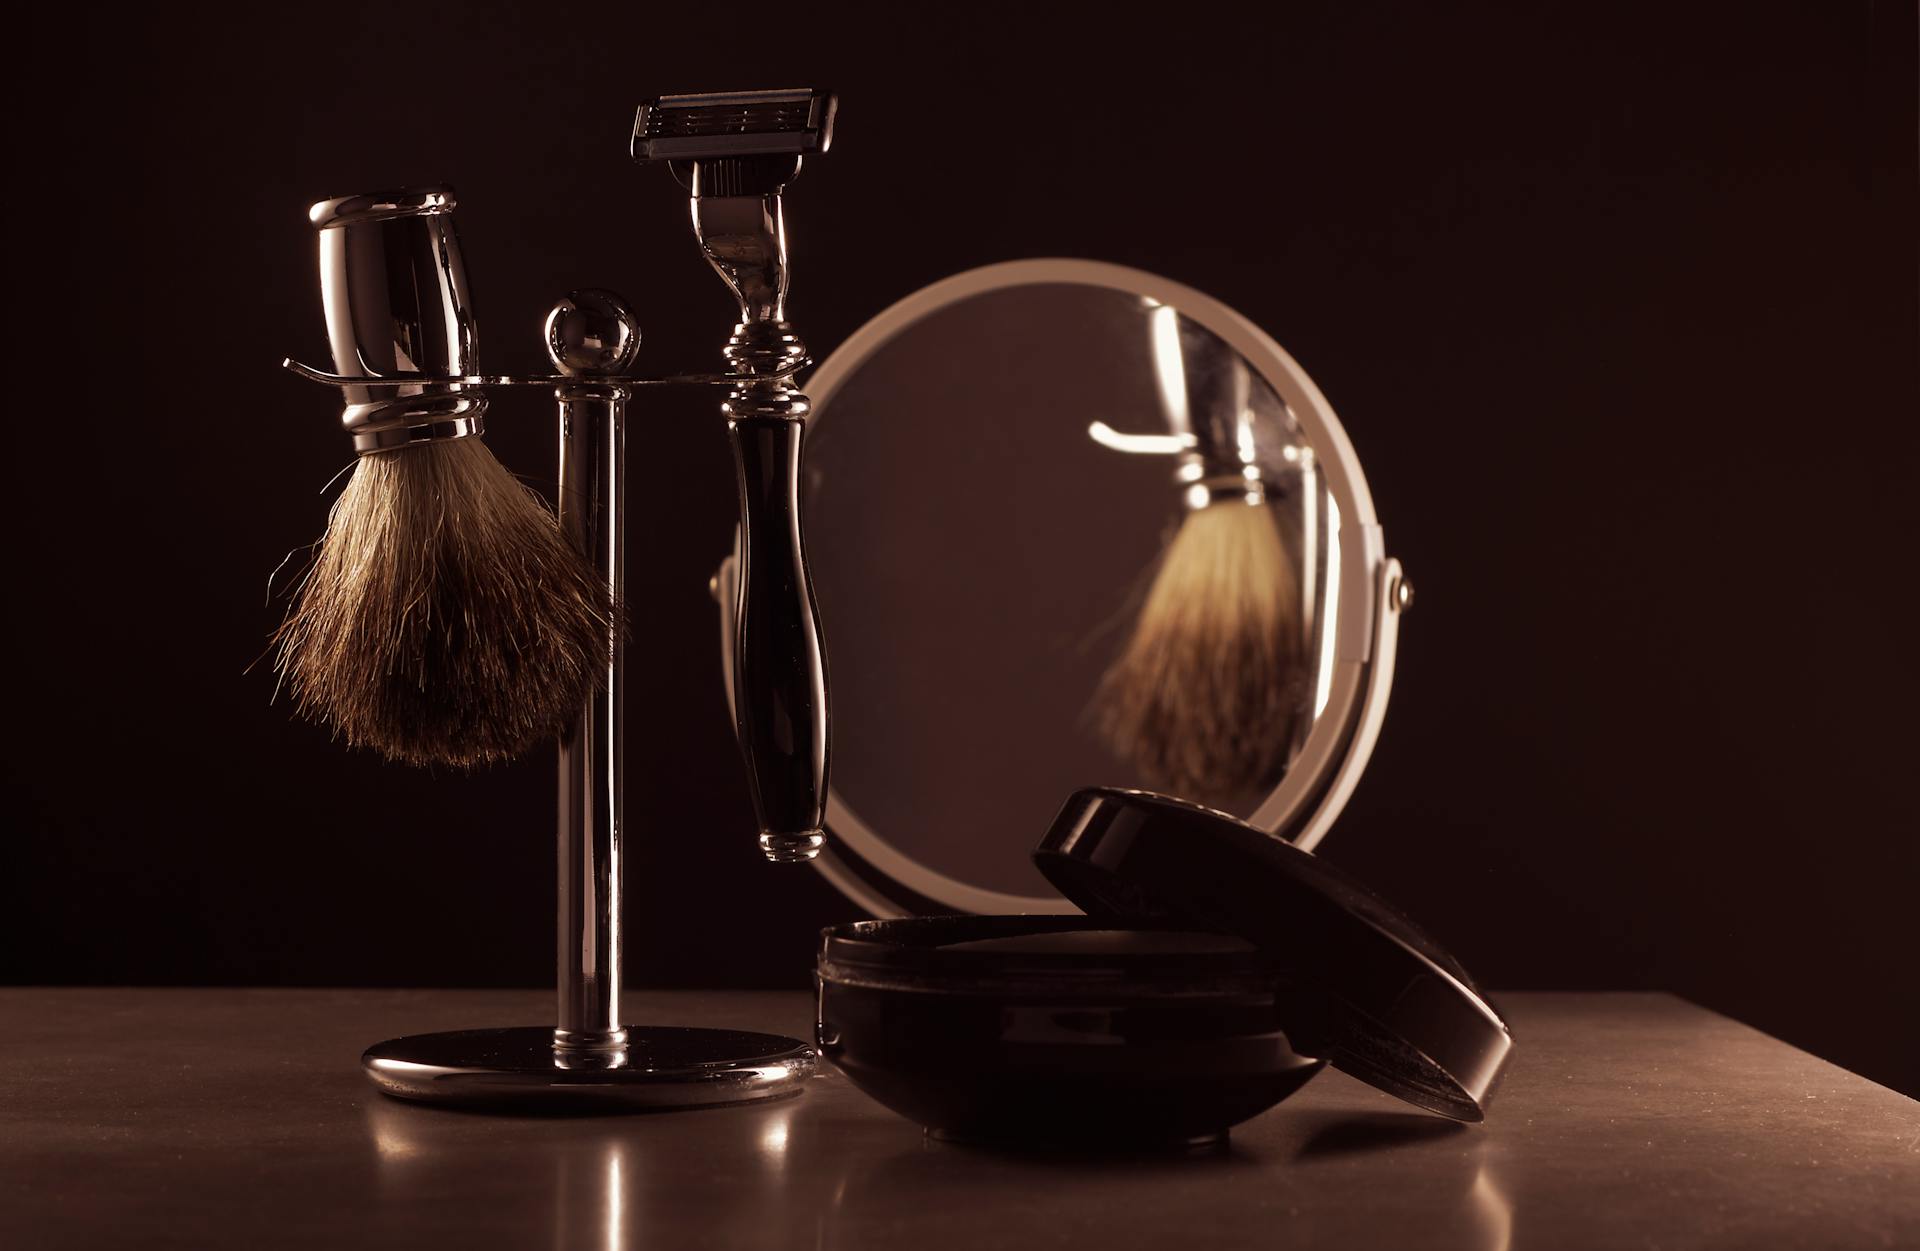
(779, 661)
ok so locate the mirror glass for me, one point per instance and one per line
(1061, 535)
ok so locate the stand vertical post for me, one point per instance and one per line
(592, 487)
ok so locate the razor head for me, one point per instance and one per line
(733, 124)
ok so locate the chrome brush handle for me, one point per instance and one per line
(394, 289)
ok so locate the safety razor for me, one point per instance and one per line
(735, 153)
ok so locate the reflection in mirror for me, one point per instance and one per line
(1209, 692)
(1062, 535)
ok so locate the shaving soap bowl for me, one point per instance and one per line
(1058, 1031)
(1217, 970)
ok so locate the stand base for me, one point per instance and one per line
(664, 1066)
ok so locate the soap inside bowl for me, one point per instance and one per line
(1063, 1031)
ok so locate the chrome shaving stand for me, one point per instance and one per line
(590, 1059)
(400, 323)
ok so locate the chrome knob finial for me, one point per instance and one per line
(592, 333)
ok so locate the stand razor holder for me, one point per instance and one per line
(590, 1061)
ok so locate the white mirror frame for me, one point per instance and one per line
(1371, 586)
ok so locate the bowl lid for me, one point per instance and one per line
(1411, 1021)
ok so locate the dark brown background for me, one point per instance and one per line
(1618, 305)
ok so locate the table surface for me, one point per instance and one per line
(216, 1118)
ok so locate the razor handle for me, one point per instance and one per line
(779, 660)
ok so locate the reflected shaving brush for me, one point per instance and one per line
(1201, 698)
(444, 619)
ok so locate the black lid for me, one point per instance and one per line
(1413, 1024)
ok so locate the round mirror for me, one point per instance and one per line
(1071, 524)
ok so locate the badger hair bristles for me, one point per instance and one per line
(1201, 697)
(444, 619)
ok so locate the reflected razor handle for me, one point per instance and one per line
(735, 153)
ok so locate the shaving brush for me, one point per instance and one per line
(444, 619)
(1202, 697)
